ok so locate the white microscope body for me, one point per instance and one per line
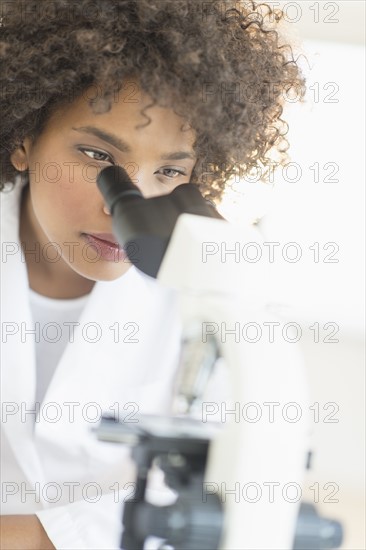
(257, 464)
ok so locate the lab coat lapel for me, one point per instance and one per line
(105, 367)
(103, 347)
(18, 375)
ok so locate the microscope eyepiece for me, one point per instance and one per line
(115, 184)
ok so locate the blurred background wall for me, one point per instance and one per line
(318, 202)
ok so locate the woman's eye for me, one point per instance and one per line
(172, 172)
(97, 155)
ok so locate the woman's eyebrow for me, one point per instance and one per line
(125, 148)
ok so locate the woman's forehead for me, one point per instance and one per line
(131, 106)
(129, 126)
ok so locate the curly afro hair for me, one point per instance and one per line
(218, 64)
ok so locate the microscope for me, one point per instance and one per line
(236, 480)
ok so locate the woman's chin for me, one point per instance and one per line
(104, 271)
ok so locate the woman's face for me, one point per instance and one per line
(64, 162)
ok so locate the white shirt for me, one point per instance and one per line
(52, 322)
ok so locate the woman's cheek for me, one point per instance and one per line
(60, 208)
(79, 192)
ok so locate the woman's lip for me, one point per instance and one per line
(106, 250)
(106, 237)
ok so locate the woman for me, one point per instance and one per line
(176, 92)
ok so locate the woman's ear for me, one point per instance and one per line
(19, 158)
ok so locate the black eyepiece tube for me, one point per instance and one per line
(114, 183)
(143, 226)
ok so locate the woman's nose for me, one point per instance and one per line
(143, 178)
(146, 186)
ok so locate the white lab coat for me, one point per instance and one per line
(52, 464)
